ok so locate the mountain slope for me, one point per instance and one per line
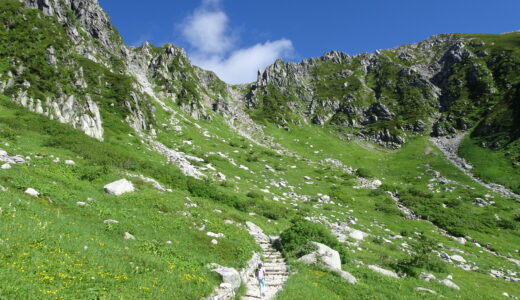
(303, 142)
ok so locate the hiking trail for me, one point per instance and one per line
(276, 271)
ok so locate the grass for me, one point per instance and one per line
(51, 247)
(491, 165)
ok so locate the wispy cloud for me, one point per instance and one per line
(214, 45)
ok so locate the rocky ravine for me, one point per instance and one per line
(449, 146)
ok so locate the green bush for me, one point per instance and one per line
(387, 206)
(424, 259)
(296, 241)
(365, 173)
(506, 224)
(255, 195)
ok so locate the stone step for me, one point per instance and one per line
(274, 284)
(276, 270)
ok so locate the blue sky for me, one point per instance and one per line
(235, 38)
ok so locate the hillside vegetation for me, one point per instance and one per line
(337, 150)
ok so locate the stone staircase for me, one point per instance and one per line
(276, 271)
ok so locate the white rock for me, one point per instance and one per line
(215, 235)
(383, 271)
(348, 277)
(6, 166)
(221, 176)
(427, 276)
(324, 254)
(229, 275)
(420, 289)
(356, 234)
(449, 284)
(461, 240)
(110, 221)
(32, 192)
(169, 242)
(269, 168)
(214, 242)
(458, 258)
(70, 162)
(226, 285)
(79, 203)
(119, 187)
(128, 236)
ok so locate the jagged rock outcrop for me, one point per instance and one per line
(381, 97)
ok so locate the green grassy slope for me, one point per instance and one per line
(57, 245)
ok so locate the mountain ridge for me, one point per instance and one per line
(165, 182)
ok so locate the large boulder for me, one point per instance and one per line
(229, 276)
(324, 255)
(328, 258)
(119, 187)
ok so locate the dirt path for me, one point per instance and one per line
(274, 264)
(450, 146)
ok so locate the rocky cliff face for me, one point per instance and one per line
(439, 86)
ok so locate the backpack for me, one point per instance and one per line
(259, 274)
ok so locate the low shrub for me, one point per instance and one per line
(296, 241)
(365, 173)
(425, 258)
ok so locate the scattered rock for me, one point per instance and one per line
(214, 242)
(221, 176)
(427, 276)
(461, 240)
(458, 258)
(128, 236)
(229, 275)
(110, 221)
(6, 166)
(269, 168)
(215, 235)
(80, 203)
(420, 289)
(483, 203)
(70, 162)
(347, 276)
(383, 271)
(32, 192)
(119, 187)
(449, 284)
(357, 235)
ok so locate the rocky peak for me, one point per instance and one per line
(336, 56)
(92, 20)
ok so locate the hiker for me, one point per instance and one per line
(260, 276)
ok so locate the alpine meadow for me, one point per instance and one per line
(130, 173)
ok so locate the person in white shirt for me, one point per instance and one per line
(260, 276)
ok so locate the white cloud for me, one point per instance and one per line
(214, 48)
